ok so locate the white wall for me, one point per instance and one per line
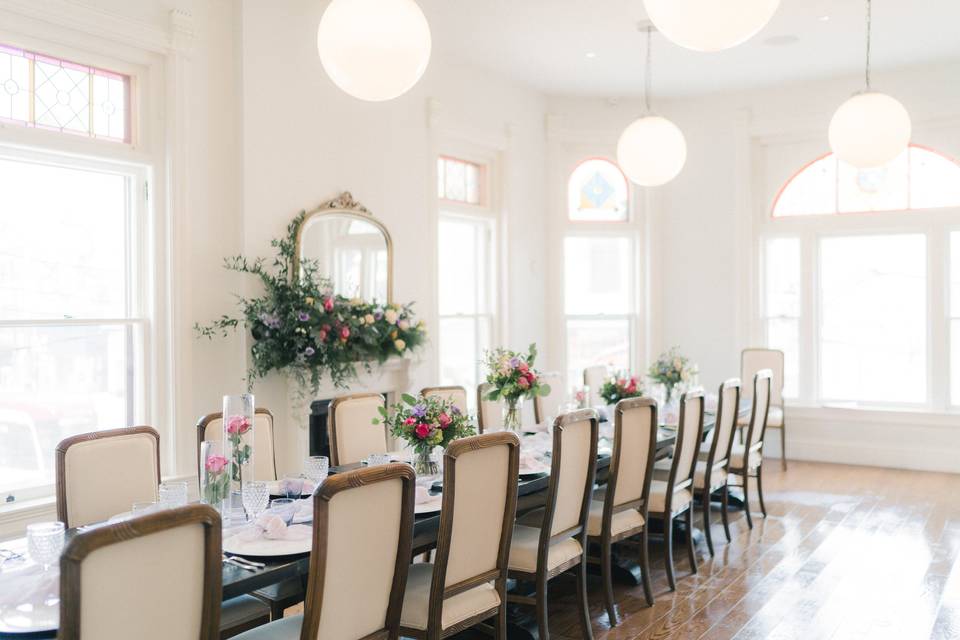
(305, 141)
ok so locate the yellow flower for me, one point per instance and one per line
(369, 319)
(391, 316)
(393, 334)
(309, 300)
(400, 345)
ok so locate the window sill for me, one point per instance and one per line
(880, 415)
(15, 516)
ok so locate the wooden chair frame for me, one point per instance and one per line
(332, 423)
(438, 589)
(66, 443)
(542, 576)
(673, 484)
(744, 472)
(203, 422)
(83, 544)
(783, 421)
(723, 462)
(318, 557)
(606, 539)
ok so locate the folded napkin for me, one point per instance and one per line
(272, 527)
(531, 463)
(27, 583)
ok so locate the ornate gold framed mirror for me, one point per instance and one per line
(350, 246)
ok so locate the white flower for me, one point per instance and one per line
(369, 319)
(391, 316)
(399, 344)
(404, 325)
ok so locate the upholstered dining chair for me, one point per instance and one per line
(210, 427)
(362, 534)
(593, 378)
(466, 583)
(547, 407)
(553, 540)
(154, 577)
(753, 360)
(619, 510)
(746, 460)
(353, 436)
(710, 474)
(489, 412)
(88, 490)
(455, 395)
(671, 492)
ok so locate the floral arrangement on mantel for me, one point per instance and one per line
(672, 369)
(301, 328)
(425, 423)
(513, 378)
(619, 387)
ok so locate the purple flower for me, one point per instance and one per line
(514, 362)
(303, 316)
(455, 410)
(419, 410)
(378, 315)
(309, 351)
(271, 320)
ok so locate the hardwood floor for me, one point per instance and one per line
(845, 552)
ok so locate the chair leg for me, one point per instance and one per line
(500, 633)
(605, 552)
(763, 508)
(585, 627)
(691, 552)
(783, 446)
(724, 506)
(542, 626)
(668, 550)
(746, 497)
(706, 520)
(645, 566)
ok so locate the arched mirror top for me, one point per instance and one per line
(349, 246)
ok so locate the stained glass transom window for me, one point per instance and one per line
(40, 91)
(597, 192)
(919, 178)
(460, 180)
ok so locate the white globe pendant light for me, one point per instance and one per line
(374, 50)
(651, 151)
(710, 25)
(871, 128)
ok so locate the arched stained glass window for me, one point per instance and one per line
(597, 192)
(920, 178)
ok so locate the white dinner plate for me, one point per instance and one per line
(430, 506)
(262, 547)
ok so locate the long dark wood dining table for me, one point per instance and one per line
(238, 581)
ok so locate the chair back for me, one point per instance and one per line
(689, 435)
(353, 436)
(477, 517)
(489, 412)
(546, 407)
(634, 450)
(728, 409)
(152, 577)
(210, 427)
(573, 465)
(754, 359)
(100, 474)
(362, 536)
(762, 383)
(457, 396)
(594, 377)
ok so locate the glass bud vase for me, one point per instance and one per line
(512, 411)
(238, 414)
(424, 464)
(214, 474)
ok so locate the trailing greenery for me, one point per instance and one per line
(301, 328)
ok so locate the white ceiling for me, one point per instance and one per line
(544, 44)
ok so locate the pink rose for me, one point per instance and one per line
(328, 305)
(523, 383)
(215, 464)
(622, 382)
(238, 425)
(531, 377)
(344, 333)
(523, 367)
(444, 420)
(410, 420)
(423, 430)
(322, 335)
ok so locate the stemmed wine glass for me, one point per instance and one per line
(256, 496)
(45, 542)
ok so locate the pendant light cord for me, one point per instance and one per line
(869, 26)
(648, 76)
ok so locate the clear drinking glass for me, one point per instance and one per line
(284, 508)
(292, 485)
(45, 542)
(173, 494)
(143, 508)
(256, 496)
(376, 459)
(316, 469)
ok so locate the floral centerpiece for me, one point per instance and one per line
(302, 328)
(619, 387)
(672, 369)
(425, 423)
(215, 479)
(513, 378)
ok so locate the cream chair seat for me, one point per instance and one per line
(523, 550)
(658, 497)
(718, 477)
(736, 457)
(465, 605)
(283, 629)
(622, 520)
(774, 418)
